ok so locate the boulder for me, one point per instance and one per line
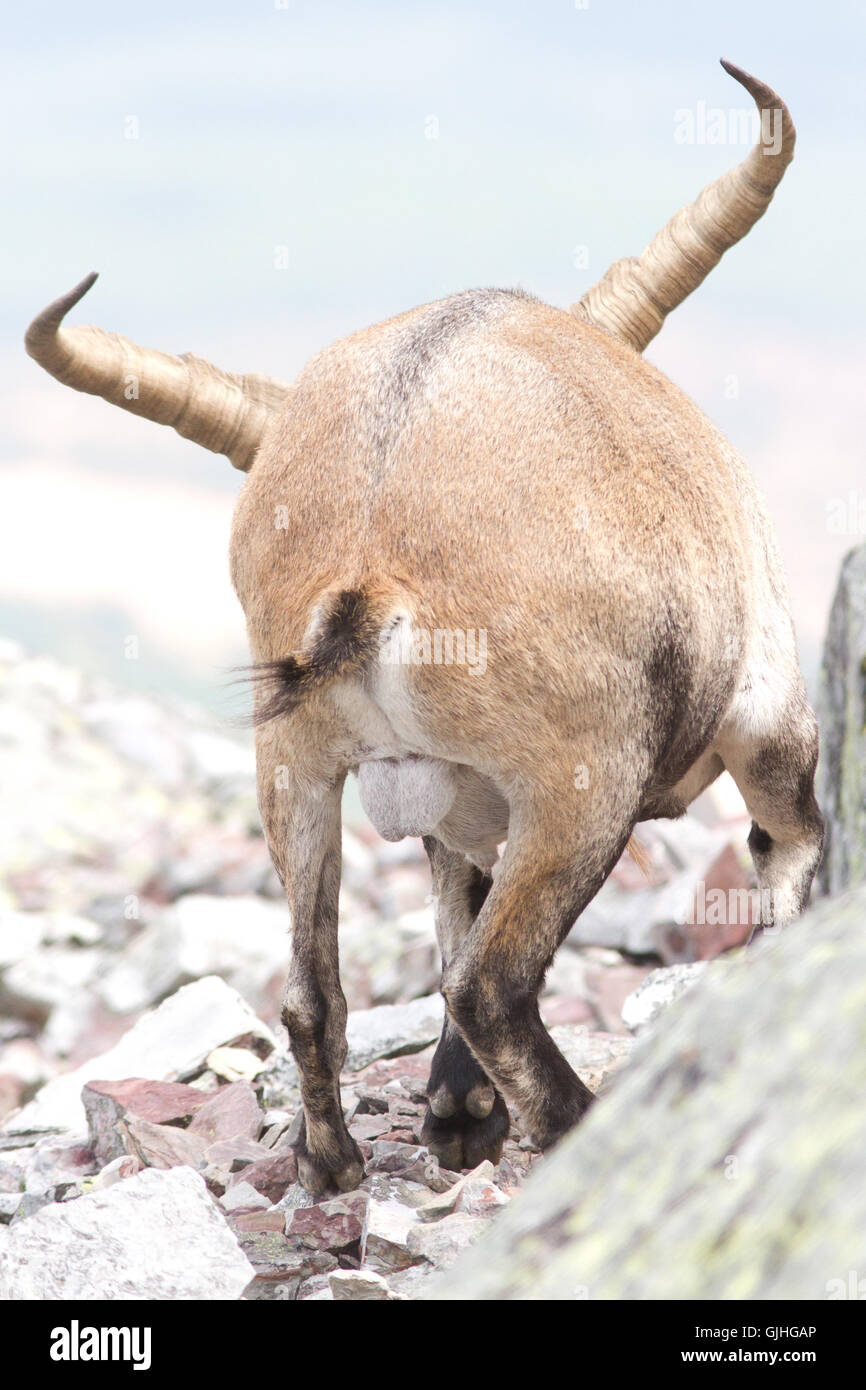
(726, 1160)
(841, 784)
(169, 1043)
(157, 1235)
(392, 1030)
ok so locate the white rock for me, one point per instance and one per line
(126, 1166)
(592, 1055)
(21, 933)
(242, 1196)
(157, 1235)
(392, 1029)
(167, 1044)
(658, 991)
(236, 1063)
(245, 940)
(384, 1241)
(441, 1242)
(475, 1193)
(47, 977)
(358, 1286)
(217, 757)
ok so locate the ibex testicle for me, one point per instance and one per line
(499, 567)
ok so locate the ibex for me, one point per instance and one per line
(515, 474)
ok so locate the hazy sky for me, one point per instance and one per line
(308, 127)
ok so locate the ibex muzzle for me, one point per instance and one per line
(514, 478)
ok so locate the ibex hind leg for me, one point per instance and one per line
(562, 846)
(301, 818)
(467, 1120)
(775, 772)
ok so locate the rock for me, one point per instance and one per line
(358, 1286)
(272, 1176)
(608, 987)
(441, 1242)
(391, 956)
(30, 1202)
(335, 1225)
(155, 1236)
(294, 1197)
(385, 1243)
(392, 1030)
(557, 1009)
(317, 1287)
(23, 933)
(383, 1187)
(278, 1083)
(46, 978)
(244, 940)
(242, 1197)
(227, 1157)
(106, 1103)
(648, 919)
(171, 1042)
(658, 992)
(389, 1157)
(425, 1169)
(727, 1161)
(253, 1222)
(370, 1126)
(54, 1162)
(9, 1204)
(11, 1092)
(476, 1193)
(119, 1168)
(236, 1063)
(412, 1283)
(480, 1196)
(726, 908)
(280, 1263)
(162, 1146)
(230, 1113)
(841, 782)
(593, 1055)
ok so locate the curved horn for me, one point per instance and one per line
(220, 411)
(633, 298)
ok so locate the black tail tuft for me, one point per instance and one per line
(347, 638)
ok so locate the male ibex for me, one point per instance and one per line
(493, 467)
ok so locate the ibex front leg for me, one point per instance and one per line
(302, 826)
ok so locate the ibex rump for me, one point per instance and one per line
(491, 465)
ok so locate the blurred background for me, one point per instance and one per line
(254, 181)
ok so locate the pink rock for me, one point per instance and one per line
(609, 988)
(270, 1176)
(232, 1112)
(248, 1221)
(560, 1009)
(106, 1103)
(321, 1229)
(369, 1126)
(156, 1101)
(162, 1146)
